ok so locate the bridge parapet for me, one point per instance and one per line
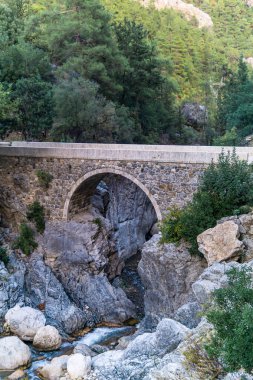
(119, 152)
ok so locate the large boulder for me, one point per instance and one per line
(13, 353)
(143, 354)
(45, 289)
(221, 242)
(166, 338)
(78, 366)
(25, 321)
(55, 369)
(79, 264)
(194, 114)
(47, 338)
(167, 273)
(174, 364)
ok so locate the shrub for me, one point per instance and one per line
(171, 227)
(44, 178)
(25, 241)
(36, 214)
(4, 256)
(226, 188)
(231, 316)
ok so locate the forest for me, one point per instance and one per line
(100, 71)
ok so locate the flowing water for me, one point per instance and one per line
(100, 335)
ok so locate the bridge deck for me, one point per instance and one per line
(119, 152)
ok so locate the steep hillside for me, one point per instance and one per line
(198, 55)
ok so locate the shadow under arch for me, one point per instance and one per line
(99, 174)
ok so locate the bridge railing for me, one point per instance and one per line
(183, 154)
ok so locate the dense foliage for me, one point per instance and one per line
(231, 316)
(100, 71)
(36, 214)
(226, 188)
(25, 241)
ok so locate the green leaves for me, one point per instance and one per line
(35, 107)
(235, 108)
(36, 214)
(83, 115)
(231, 315)
(25, 241)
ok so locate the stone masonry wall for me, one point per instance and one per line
(169, 183)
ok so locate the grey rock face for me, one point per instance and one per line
(78, 255)
(131, 215)
(167, 272)
(188, 314)
(167, 337)
(142, 354)
(194, 114)
(188, 10)
(214, 277)
(44, 289)
(84, 244)
(11, 286)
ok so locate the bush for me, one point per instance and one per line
(231, 316)
(25, 241)
(226, 188)
(36, 214)
(44, 178)
(4, 256)
(171, 227)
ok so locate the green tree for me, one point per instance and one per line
(8, 109)
(79, 38)
(83, 115)
(148, 94)
(235, 105)
(25, 241)
(35, 107)
(8, 27)
(36, 214)
(23, 60)
(231, 316)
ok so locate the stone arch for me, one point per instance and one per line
(104, 171)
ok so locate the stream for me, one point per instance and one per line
(106, 336)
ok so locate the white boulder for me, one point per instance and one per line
(221, 242)
(25, 321)
(78, 366)
(47, 338)
(13, 353)
(55, 369)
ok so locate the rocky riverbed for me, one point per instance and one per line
(66, 286)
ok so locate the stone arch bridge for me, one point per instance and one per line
(167, 174)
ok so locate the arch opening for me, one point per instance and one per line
(127, 212)
(87, 184)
